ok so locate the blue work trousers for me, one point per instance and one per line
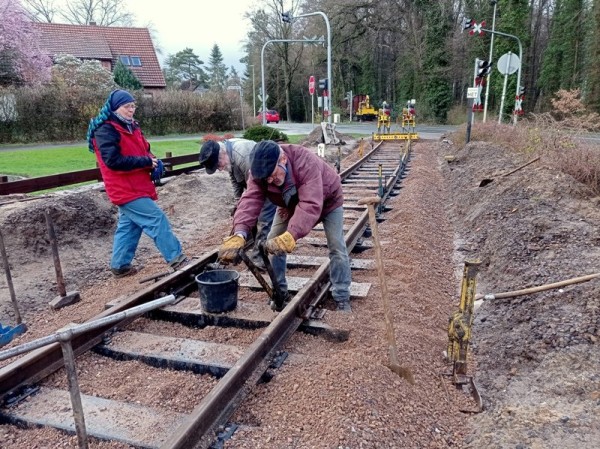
(135, 217)
(339, 268)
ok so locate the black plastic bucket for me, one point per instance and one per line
(218, 290)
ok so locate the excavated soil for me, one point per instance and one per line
(535, 357)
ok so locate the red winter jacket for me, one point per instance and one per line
(125, 161)
(319, 192)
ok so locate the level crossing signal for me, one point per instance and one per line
(323, 84)
(286, 17)
(519, 101)
(467, 23)
(484, 68)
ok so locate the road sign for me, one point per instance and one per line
(508, 63)
(472, 92)
(260, 98)
(311, 85)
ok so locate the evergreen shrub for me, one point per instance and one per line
(260, 132)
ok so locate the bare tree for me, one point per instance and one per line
(40, 10)
(100, 12)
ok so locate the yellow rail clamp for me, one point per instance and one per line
(396, 136)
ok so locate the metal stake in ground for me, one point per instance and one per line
(11, 288)
(64, 298)
(394, 364)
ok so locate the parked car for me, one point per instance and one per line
(271, 115)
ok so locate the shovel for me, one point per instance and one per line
(484, 182)
(394, 363)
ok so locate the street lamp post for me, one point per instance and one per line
(253, 92)
(239, 89)
(329, 77)
(262, 69)
(491, 58)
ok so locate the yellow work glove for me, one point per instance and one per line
(283, 243)
(229, 250)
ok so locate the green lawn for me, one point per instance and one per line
(34, 162)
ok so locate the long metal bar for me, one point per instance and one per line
(75, 393)
(43, 361)
(84, 328)
(11, 288)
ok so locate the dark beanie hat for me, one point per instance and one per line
(118, 98)
(263, 159)
(209, 156)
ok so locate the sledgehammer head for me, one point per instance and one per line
(371, 200)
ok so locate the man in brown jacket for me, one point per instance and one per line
(307, 191)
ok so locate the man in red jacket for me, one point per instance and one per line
(307, 191)
(126, 164)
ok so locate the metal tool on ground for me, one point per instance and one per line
(7, 333)
(486, 181)
(65, 298)
(459, 332)
(539, 288)
(394, 363)
(11, 288)
(277, 297)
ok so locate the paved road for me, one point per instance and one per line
(366, 128)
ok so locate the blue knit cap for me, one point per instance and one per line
(118, 98)
(263, 159)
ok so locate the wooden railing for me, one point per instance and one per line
(91, 174)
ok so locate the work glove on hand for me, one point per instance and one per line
(158, 171)
(229, 250)
(281, 244)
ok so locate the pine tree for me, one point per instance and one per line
(438, 91)
(184, 70)
(125, 78)
(217, 70)
(562, 67)
(591, 90)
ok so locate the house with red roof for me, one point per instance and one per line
(132, 46)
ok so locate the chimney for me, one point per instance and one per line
(92, 23)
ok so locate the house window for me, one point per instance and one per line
(124, 60)
(136, 61)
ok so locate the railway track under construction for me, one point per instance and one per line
(24, 396)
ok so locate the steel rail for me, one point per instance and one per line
(197, 431)
(217, 406)
(42, 362)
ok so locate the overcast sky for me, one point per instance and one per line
(197, 25)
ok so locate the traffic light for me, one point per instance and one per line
(484, 68)
(286, 17)
(323, 84)
(467, 23)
